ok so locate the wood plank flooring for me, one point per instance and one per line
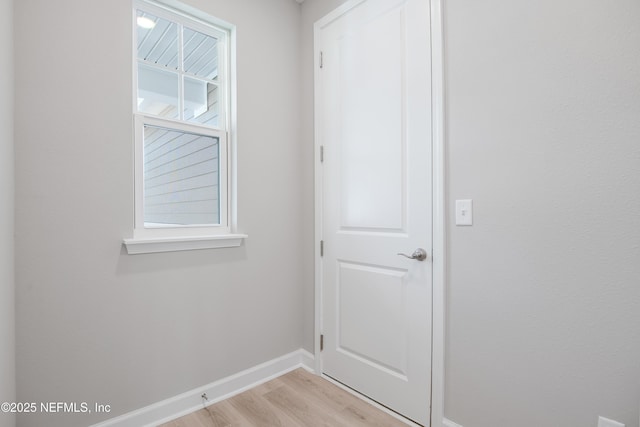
(298, 398)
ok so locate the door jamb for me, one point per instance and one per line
(438, 203)
(439, 207)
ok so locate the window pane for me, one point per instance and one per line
(200, 102)
(181, 178)
(157, 40)
(157, 91)
(200, 54)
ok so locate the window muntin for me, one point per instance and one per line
(178, 70)
(181, 104)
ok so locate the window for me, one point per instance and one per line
(182, 126)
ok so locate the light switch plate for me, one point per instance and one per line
(606, 422)
(464, 212)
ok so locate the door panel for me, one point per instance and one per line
(371, 89)
(376, 332)
(374, 123)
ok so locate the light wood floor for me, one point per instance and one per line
(298, 398)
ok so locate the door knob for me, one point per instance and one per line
(419, 255)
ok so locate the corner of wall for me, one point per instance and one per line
(449, 423)
(7, 189)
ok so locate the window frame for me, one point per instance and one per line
(170, 230)
(163, 238)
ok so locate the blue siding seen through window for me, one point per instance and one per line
(181, 178)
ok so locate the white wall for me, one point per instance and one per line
(543, 132)
(95, 324)
(7, 319)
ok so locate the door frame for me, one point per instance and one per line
(438, 202)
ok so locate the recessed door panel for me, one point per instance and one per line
(372, 98)
(371, 315)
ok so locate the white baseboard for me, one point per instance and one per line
(308, 360)
(185, 403)
(449, 423)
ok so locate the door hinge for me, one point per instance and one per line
(321, 247)
(321, 153)
(321, 342)
(321, 60)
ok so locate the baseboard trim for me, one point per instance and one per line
(190, 401)
(308, 360)
(449, 423)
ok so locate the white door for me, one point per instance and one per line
(373, 98)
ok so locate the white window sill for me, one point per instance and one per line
(173, 244)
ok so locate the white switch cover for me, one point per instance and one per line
(464, 212)
(606, 422)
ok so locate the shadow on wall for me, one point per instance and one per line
(166, 261)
